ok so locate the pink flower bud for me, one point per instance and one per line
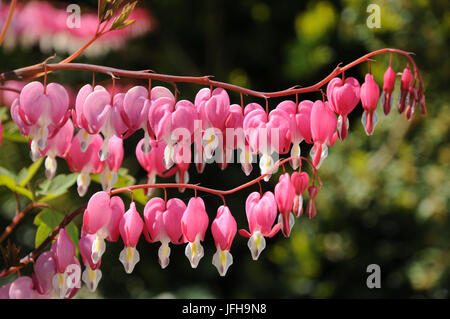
(193, 226)
(130, 227)
(323, 127)
(97, 214)
(369, 100)
(44, 270)
(261, 214)
(300, 182)
(405, 83)
(388, 88)
(343, 96)
(223, 229)
(284, 196)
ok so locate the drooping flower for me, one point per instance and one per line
(405, 84)
(163, 223)
(21, 288)
(130, 227)
(152, 162)
(58, 145)
(223, 229)
(300, 182)
(98, 111)
(343, 96)
(44, 110)
(193, 226)
(95, 222)
(109, 175)
(172, 122)
(261, 214)
(92, 273)
(323, 127)
(86, 162)
(369, 100)
(67, 266)
(311, 209)
(388, 88)
(284, 196)
(266, 134)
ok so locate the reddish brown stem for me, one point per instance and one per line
(31, 71)
(18, 218)
(12, 7)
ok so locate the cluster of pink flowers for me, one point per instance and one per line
(215, 127)
(38, 22)
(56, 274)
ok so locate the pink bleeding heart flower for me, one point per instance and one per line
(343, 96)
(8, 97)
(261, 214)
(213, 108)
(67, 270)
(153, 162)
(294, 130)
(369, 100)
(300, 182)
(234, 135)
(86, 162)
(117, 210)
(4, 291)
(21, 288)
(163, 224)
(224, 230)
(388, 88)
(109, 175)
(58, 145)
(92, 274)
(311, 209)
(266, 134)
(44, 271)
(323, 126)
(44, 110)
(284, 196)
(131, 226)
(136, 107)
(182, 160)
(100, 112)
(193, 226)
(173, 124)
(95, 222)
(15, 116)
(405, 84)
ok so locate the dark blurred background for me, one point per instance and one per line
(385, 198)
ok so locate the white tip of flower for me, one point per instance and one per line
(339, 125)
(163, 254)
(291, 223)
(129, 257)
(103, 154)
(323, 156)
(194, 252)
(108, 178)
(42, 138)
(83, 181)
(59, 283)
(247, 168)
(84, 139)
(50, 167)
(168, 156)
(256, 244)
(184, 180)
(265, 164)
(295, 152)
(98, 249)
(374, 122)
(146, 147)
(91, 278)
(298, 205)
(222, 260)
(211, 144)
(34, 152)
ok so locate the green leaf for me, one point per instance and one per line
(9, 179)
(120, 21)
(15, 137)
(57, 186)
(26, 174)
(47, 221)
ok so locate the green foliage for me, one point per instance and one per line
(56, 186)
(15, 183)
(46, 222)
